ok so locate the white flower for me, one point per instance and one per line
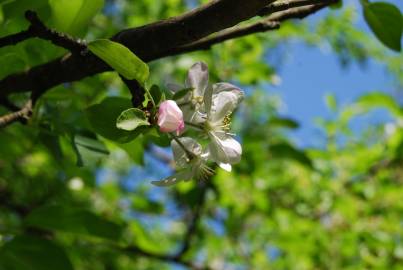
(190, 163)
(170, 117)
(212, 106)
(197, 80)
(220, 101)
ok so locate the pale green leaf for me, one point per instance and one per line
(72, 16)
(131, 119)
(120, 59)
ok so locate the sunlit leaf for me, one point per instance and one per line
(131, 119)
(72, 16)
(121, 59)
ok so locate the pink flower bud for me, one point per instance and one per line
(170, 117)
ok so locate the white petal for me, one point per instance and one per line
(227, 87)
(224, 103)
(208, 100)
(225, 166)
(180, 156)
(224, 148)
(173, 179)
(198, 78)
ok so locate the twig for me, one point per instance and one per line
(264, 25)
(162, 257)
(227, 34)
(192, 226)
(13, 39)
(23, 114)
(39, 30)
(299, 12)
(137, 91)
(187, 238)
(287, 4)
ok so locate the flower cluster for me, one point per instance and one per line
(207, 109)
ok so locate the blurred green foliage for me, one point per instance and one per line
(72, 190)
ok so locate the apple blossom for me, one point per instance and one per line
(170, 117)
(220, 101)
(190, 161)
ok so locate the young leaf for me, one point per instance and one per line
(378, 99)
(386, 21)
(331, 102)
(102, 118)
(131, 119)
(72, 16)
(66, 219)
(181, 93)
(27, 252)
(120, 59)
(156, 94)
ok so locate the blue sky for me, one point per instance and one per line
(310, 73)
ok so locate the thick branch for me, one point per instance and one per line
(148, 42)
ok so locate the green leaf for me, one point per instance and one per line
(135, 150)
(79, 221)
(283, 122)
(120, 59)
(331, 102)
(167, 93)
(102, 118)
(386, 21)
(26, 252)
(72, 16)
(156, 94)
(287, 151)
(131, 119)
(88, 150)
(157, 137)
(181, 93)
(378, 99)
(52, 143)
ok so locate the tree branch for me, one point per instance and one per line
(264, 25)
(187, 238)
(39, 30)
(147, 42)
(288, 4)
(15, 38)
(21, 115)
(299, 12)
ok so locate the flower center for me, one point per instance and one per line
(197, 100)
